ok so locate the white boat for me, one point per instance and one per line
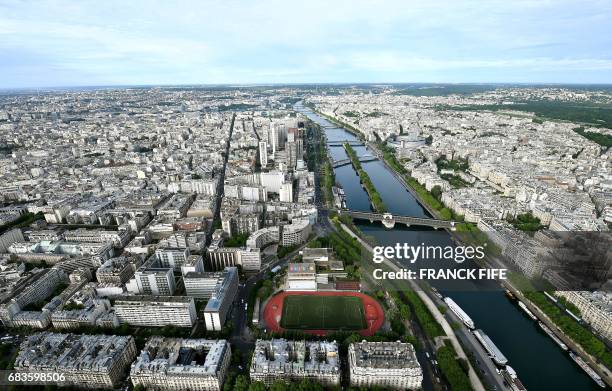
(526, 310)
(552, 335)
(588, 369)
(496, 355)
(509, 375)
(459, 312)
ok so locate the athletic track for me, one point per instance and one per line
(374, 313)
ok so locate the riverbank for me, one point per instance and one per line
(318, 161)
(348, 127)
(469, 234)
(542, 316)
(432, 309)
(375, 198)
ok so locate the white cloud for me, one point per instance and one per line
(223, 41)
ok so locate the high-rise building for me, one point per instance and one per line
(286, 192)
(10, 237)
(291, 149)
(202, 285)
(215, 312)
(273, 137)
(384, 364)
(194, 264)
(172, 257)
(263, 153)
(152, 281)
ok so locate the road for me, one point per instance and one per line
(241, 337)
(476, 383)
(220, 185)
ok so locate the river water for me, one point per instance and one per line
(539, 362)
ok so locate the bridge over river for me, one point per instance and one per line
(345, 162)
(340, 143)
(389, 220)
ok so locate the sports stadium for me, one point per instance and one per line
(322, 312)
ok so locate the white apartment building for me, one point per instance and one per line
(595, 309)
(202, 285)
(222, 257)
(10, 237)
(118, 238)
(384, 364)
(286, 192)
(36, 288)
(194, 264)
(263, 153)
(86, 361)
(173, 257)
(295, 233)
(281, 359)
(156, 311)
(182, 364)
(263, 237)
(152, 281)
(215, 312)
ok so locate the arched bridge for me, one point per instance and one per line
(345, 162)
(389, 220)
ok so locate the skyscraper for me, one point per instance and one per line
(263, 153)
(286, 192)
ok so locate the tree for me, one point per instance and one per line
(242, 383)
(229, 381)
(279, 385)
(307, 385)
(436, 191)
(257, 386)
(236, 357)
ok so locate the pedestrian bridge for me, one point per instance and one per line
(389, 220)
(346, 162)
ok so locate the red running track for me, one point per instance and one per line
(374, 313)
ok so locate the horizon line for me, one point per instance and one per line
(248, 85)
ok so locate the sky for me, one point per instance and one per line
(54, 43)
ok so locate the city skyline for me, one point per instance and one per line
(222, 223)
(67, 44)
(272, 195)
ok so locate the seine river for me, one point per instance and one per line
(539, 362)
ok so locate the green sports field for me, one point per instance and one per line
(311, 312)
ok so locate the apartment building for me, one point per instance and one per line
(182, 364)
(384, 364)
(86, 361)
(281, 359)
(156, 311)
